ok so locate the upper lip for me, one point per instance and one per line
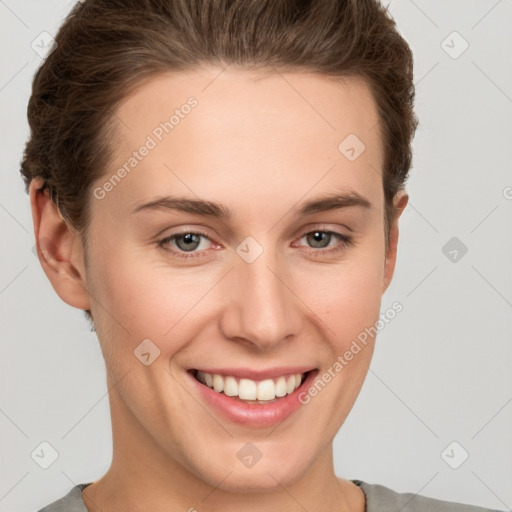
(247, 373)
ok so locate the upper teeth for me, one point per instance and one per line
(248, 389)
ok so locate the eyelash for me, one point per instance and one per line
(346, 241)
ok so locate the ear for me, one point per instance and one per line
(400, 202)
(59, 248)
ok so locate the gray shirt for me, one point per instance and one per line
(378, 499)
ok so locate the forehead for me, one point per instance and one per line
(214, 130)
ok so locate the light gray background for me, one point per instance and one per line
(441, 369)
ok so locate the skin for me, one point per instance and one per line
(255, 145)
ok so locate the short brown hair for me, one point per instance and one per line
(105, 48)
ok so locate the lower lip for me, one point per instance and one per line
(255, 415)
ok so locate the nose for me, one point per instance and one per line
(261, 310)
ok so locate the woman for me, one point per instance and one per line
(218, 185)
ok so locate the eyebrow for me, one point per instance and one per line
(217, 210)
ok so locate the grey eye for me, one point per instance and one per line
(190, 241)
(318, 238)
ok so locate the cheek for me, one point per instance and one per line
(347, 305)
(144, 296)
(151, 299)
(345, 297)
(138, 300)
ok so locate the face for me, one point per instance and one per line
(268, 282)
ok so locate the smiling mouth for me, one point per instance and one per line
(251, 391)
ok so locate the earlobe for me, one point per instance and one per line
(400, 202)
(59, 248)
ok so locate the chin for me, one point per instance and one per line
(273, 465)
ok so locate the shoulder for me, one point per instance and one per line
(71, 502)
(383, 499)
(378, 499)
